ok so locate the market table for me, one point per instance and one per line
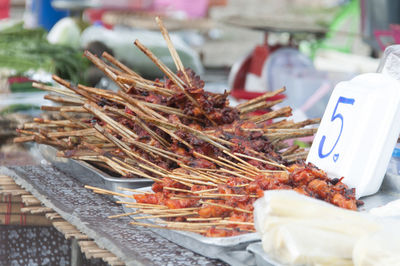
(88, 212)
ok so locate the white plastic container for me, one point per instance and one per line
(358, 131)
(394, 164)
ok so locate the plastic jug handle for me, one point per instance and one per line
(390, 62)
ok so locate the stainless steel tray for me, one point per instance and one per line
(389, 191)
(88, 174)
(261, 258)
(229, 249)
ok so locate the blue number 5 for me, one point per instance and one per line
(334, 117)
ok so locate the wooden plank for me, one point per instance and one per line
(4, 181)
(87, 244)
(18, 219)
(102, 255)
(9, 187)
(30, 200)
(54, 216)
(114, 261)
(4, 177)
(36, 210)
(14, 192)
(78, 236)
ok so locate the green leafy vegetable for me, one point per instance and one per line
(24, 49)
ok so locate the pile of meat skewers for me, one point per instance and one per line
(195, 200)
(209, 161)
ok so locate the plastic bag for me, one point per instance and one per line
(299, 230)
(380, 248)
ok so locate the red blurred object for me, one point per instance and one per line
(393, 34)
(96, 15)
(19, 79)
(254, 64)
(4, 9)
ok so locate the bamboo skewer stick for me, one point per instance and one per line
(138, 121)
(141, 205)
(307, 122)
(282, 124)
(218, 179)
(65, 92)
(189, 225)
(206, 190)
(26, 132)
(178, 178)
(290, 135)
(24, 139)
(139, 109)
(236, 222)
(59, 99)
(110, 95)
(134, 190)
(38, 123)
(140, 158)
(195, 132)
(199, 219)
(260, 160)
(123, 214)
(225, 206)
(124, 147)
(165, 215)
(172, 77)
(164, 211)
(296, 156)
(177, 189)
(249, 166)
(109, 192)
(73, 109)
(237, 174)
(74, 88)
(261, 98)
(285, 111)
(145, 86)
(123, 67)
(172, 50)
(226, 164)
(228, 195)
(81, 132)
(258, 106)
(74, 120)
(170, 110)
(109, 71)
(94, 109)
(237, 167)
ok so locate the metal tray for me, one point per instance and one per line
(261, 258)
(389, 191)
(231, 250)
(88, 174)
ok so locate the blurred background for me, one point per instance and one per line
(245, 47)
